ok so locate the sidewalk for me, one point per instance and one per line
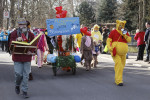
(131, 60)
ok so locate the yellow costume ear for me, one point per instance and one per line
(124, 22)
(117, 21)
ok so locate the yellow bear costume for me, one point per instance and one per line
(119, 40)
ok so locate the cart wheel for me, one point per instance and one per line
(54, 71)
(74, 70)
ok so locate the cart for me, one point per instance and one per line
(65, 61)
(60, 27)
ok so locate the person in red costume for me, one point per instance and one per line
(118, 39)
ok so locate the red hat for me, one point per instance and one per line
(84, 30)
(88, 33)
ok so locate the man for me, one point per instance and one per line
(146, 40)
(22, 62)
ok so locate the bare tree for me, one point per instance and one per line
(12, 13)
(1, 13)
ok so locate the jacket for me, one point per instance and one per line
(140, 38)
(21, 57)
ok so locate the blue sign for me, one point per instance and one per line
(63, 26)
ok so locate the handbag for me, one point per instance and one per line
(114, 49)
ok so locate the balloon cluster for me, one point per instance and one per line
(60, 13)
(84, 30)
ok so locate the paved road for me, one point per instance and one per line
(97, 84)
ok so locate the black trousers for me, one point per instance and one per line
(140, 52)
(4, 45)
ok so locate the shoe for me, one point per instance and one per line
(103, 52)
(146, 60)
(30, 77)
(87, 69)
(17, 89)
(120, 84)
(49, 64)
(81, 63)
(25, 95)
(68, 70)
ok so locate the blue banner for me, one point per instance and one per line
(63, 26)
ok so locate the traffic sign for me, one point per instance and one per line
(6, 14)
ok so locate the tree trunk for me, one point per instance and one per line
(144, 11)
(12, 12)
(1, 13)
(140, 15)
(22, 8)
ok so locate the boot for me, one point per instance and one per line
(17, 89)
(30, 77)
(25, 95)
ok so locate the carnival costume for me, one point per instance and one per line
(118, 47)
(97, 38)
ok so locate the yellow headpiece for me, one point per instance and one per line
(120, 25)
(96, 26)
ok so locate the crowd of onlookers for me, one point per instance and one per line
(143, 41)
(4, 34)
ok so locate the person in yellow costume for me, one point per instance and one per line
(97, 38)
(96, 34)
(119, 38)
(78, 39)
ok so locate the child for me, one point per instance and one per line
(86, 48)
(95, 52)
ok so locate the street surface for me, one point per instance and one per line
(97, 84)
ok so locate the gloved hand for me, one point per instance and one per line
(111, 49)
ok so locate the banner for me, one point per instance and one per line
(63, 26)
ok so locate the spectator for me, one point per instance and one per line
(4, 36)
(139, 36)
(146, 39)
